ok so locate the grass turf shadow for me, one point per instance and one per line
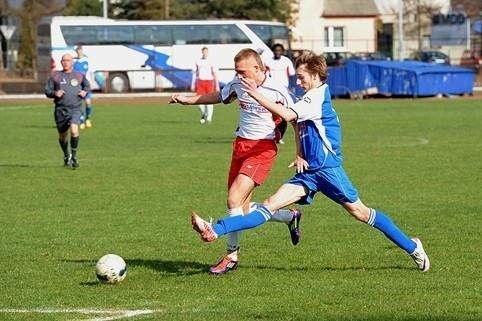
(177, 268)
(168, 268)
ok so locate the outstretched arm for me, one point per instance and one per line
(207, 99)
(285, 113)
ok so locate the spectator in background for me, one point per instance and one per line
(280, 68)
(68, 88)
(81, 64)
(205, 81)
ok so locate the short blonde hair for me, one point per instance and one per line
(248, 53)
(315, 64)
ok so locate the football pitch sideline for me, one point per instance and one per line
(144, 166)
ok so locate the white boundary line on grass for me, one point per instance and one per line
(416, 141)
(110, 314)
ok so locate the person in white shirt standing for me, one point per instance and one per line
(205, 81)
(280, 68)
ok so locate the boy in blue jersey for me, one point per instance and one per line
(81, 64)
(319, 165)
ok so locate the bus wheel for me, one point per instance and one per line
(118, 83)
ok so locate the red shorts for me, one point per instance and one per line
(253, 158)
(204, 86)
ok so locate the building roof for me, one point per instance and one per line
(349, 8)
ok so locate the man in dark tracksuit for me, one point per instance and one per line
(68, 88)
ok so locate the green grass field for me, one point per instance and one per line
(145, 166)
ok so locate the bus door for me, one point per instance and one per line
(155, 42)
(142, 76)
(182, 63)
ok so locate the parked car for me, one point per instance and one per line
(472, 59)
(377, 55)
(295, 53)
(431, 56)
(336, 58)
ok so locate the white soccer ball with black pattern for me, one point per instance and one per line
(111, 268)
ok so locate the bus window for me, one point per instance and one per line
(79, 34)
(228, 34)
(158, 35)
(271, 34)
(191, 34)
(279, 34)
(263, 32)
(115, 35)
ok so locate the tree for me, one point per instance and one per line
(417, 18)
(30, 15)
(138, 9)
(83, 8)
(421, 11)
(3, 11)
(278, 10)
(250, 9)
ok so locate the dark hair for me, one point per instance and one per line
(277, 45)
(315, 64)
(247, 53)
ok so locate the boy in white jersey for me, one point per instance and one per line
(254, 149)
(319, 165)
(205, 81)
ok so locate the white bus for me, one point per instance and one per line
(151, 55)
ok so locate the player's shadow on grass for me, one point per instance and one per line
(28, 166)
(15, 165)
(178, 268)
(39, 126)
(329, 268)
(169, 268)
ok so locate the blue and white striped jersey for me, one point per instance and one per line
(319, 129)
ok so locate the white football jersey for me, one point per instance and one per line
(255, 121)
(281, 69)
(204, 69)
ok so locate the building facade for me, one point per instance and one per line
(398, 28)
(335, 26)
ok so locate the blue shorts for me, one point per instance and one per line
(89, 95)
(333, 182)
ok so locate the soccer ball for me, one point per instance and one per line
(111, 268)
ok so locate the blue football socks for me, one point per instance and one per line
(384, 224)
(88, 112)
(230, 224)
